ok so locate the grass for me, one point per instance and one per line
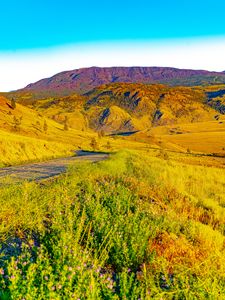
(205, 137)
(135, 226)
(17, 149)
(24, 136)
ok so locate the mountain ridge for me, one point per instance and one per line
(85, 79)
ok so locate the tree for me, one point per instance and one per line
(13, 103)
(94, 144)
(45, 127)
(66, 125)
(163, 154)
(101, 133)
(108, 145)
(16, 123)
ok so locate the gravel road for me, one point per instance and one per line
(43, 170)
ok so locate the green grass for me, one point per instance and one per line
(132, 227)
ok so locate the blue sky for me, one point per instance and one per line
(41, 38)
(39, 24)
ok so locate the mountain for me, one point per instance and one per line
(83, 80)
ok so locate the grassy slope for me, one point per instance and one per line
(187, 121)
(206, 137)
(134, 227)
(27, 140)
(133, 106)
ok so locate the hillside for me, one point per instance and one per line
(83, 80)
(139, 115)
(27, 135)
(121, 107)
(145, 106)
(179, 118)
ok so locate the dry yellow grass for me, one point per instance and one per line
(26, 135)
(205, 137)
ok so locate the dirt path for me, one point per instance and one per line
(44, 170)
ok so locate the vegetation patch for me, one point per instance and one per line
(132, 227)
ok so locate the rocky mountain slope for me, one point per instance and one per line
(124, 107)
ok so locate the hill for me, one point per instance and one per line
(83, 80)
(179, 118)
(119, 107)
(140, 106)
(28, 135)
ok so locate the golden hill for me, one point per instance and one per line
(179, 118)
(122, 107)
(27, 135)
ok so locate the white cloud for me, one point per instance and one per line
(17, 69)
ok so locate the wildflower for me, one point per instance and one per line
(110, 286)
(46, 277)
(70, 268)
(31, 242)
(59, 286)
(53, 288)
(2, 271)
(12, 277)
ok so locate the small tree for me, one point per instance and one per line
(45, 127)
(108, 145)
(13, 103)
(16, 123)
(94, 144)
(163, 154)
(66, 125)
(101, 133)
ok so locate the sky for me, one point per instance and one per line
(41, 38)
